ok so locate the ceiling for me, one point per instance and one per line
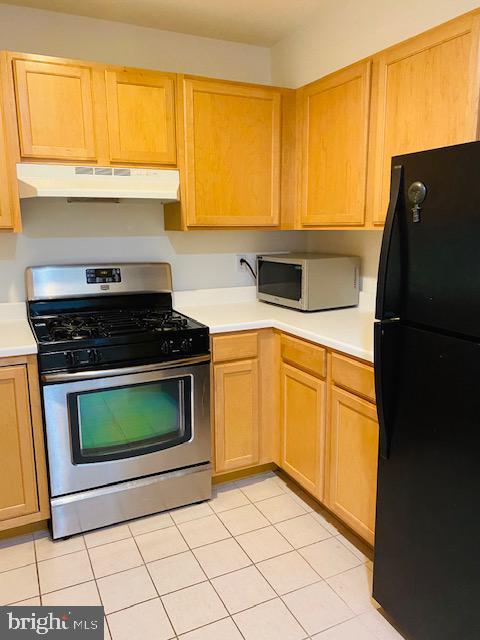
(259, 22)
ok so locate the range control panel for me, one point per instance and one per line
(103, 276)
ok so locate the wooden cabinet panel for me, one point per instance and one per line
(232, 154)
(352, 461)
(55, 110)
(236, 415)
(141, 116)
(304, 355)
(18, 493)
(302, 427)
(335, 124)
(353, 375)
(426, 96)
(9, 202)
(235, 346)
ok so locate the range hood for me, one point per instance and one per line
(87, 183)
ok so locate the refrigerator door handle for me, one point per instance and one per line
(386, 343)
(383, 282)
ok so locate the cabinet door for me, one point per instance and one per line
(232, 149)
(18, 492)
(335, 123)
(9, 203)
(352, 461)
(302, 428)
(236, 415)
(426, 97)
(55, 110)
(141, 117)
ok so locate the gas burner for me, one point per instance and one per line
(73, 328)
(164, 321)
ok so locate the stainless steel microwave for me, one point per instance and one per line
(308, 281)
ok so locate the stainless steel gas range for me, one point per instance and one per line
(126, 393)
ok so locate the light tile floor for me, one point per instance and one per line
(260, 561)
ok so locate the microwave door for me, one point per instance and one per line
(280, 282)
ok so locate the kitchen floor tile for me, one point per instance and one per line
(356, 550)
(114, 557)
(193, 607)
(269, 621)
(288, 572)
(30, 602)
(225, 499)
(263, 544)
(18, 584)
(243, 519)
(125, 589)
(221, 557)
(109, 534)
(317, 607)
(260, 489)
(16, 552)
(176, 572)
(81, 595)
(327, 521)
(222, 630)
(192, 512)
(203, 531)
(145, 621)
(243, 589)
(302, 531)
(46, 548)
(64, 571)
(350, 630)
(160, 544)
(381, 628)
(280, 508)
(150, 523)
(329, 557)
(355, 588)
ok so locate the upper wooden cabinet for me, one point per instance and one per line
(141, 116)
(334, 116)
(55, 110)
(232, 154)
(426, 96)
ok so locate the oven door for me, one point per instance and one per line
(110, 426)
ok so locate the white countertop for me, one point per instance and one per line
(16, 338)
(348, 330)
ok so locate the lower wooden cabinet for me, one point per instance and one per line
(236, 415)
(302, 427)
(23, 492)
(352, 461)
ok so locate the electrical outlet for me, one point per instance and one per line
(241, 267)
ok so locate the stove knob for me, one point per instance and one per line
(165, 347)
(186, 346)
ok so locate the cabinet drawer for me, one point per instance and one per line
(304, 355)
(236, 346)
(353, 375)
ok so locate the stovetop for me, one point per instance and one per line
(117, 331)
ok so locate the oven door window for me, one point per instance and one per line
(280, 279)
(121, 422)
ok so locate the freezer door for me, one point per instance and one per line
(430, 268)
(427, 562)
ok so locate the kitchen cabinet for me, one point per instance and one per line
(23, 496)
(231, 154)
(141, 116)
(426, 95)
(55, 109)
(334, 116)
(9, 201)
(302, 427)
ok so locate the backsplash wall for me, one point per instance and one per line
(57, 232)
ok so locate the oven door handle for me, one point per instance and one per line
(108, 373)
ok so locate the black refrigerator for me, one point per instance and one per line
(427, 377)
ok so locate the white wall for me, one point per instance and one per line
(57, 232)
(348, 30)
(58, 34)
